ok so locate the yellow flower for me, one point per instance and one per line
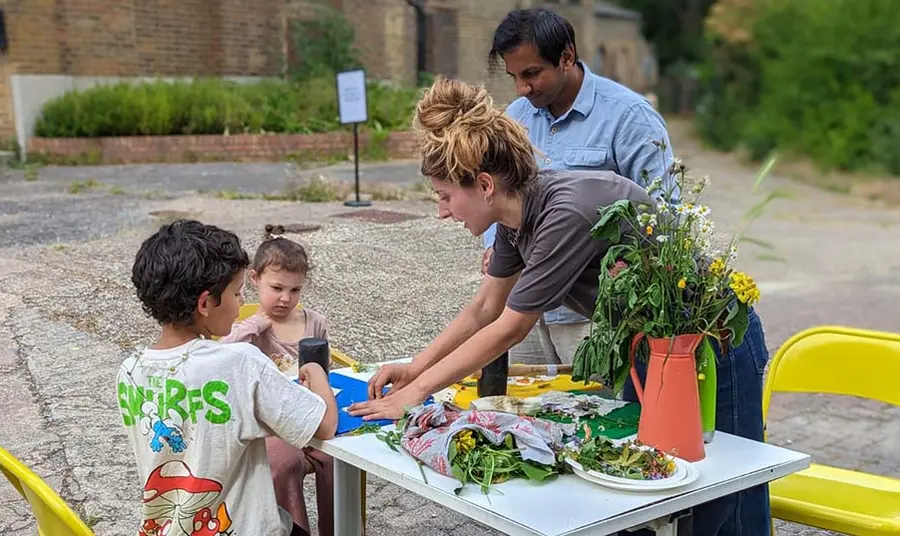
(670, 467)
(701, 376)
(649, 230)
(465, 441)
(744, 288)
(717, 267)
(682, 283)
(687, 243)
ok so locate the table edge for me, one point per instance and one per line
(622, 521)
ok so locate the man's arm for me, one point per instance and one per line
(635, 150)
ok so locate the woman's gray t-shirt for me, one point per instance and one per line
(554, 250)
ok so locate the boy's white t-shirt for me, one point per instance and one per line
(197, 416)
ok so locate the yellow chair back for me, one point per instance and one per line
(840, 361)
(54, 517)
(837, 360)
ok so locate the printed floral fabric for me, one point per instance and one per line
(430, 429)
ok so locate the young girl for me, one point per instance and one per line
(279, 271)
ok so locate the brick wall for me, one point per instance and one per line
(239, 148)
(163, 37)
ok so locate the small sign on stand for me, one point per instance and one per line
(353, 110)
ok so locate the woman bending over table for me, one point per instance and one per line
(483, 169)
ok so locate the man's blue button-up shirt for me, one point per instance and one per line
(608, 127)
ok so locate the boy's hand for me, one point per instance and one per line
(314, 377)
(313, 370)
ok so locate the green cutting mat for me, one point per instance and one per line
(618, 423)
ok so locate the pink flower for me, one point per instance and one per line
(618, 267)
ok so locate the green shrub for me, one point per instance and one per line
(321, 45)
(216, 106)
(816, 78)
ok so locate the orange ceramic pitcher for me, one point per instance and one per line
(670, 400)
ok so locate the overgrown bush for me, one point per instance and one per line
(806, 76)
(321, 45)
(215, 106)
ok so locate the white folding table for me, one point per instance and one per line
(577, 507)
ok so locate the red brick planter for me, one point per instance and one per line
(235, 148)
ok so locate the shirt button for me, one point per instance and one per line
(553, 130)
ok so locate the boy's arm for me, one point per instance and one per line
(293, 412)
(247, 330)
(316, 380)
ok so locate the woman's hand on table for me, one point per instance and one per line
(390, 407)
(398, 375)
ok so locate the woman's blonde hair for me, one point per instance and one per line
(462, 134)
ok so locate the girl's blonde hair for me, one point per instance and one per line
(462, 134)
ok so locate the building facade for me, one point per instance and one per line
(61, 45)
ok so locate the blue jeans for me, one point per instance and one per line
(738, 412)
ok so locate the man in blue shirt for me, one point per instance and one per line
(576, 120)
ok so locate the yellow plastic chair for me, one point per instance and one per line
(818, 360)
(337, 356)
(53, 515)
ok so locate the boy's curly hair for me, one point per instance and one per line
(179, 262)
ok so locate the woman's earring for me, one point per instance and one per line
(488, 200)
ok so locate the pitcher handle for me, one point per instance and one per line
(638, 388)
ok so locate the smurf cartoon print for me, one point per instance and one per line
(177, 503)
(164, 431)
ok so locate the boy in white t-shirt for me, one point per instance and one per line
(196, 411)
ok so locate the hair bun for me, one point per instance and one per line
(449, 103)
(273, 231)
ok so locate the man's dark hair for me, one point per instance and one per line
(179, 262)
(545, 29)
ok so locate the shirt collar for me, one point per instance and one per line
(584, 100)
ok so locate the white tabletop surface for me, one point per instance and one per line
(569, 505)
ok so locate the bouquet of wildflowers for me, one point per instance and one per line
(664, 275)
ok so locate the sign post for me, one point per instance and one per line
(352, 108)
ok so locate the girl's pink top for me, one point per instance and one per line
(285, 354)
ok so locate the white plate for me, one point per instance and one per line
(685, 473)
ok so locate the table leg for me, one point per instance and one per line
(669, 529)
(348, 515)
(680, 524)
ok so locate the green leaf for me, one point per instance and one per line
(655, 295)
(458, 473)
(451, 451)
(764, 172)
(535, 472)
(739, 324)
(607, 227)
(732, 311)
